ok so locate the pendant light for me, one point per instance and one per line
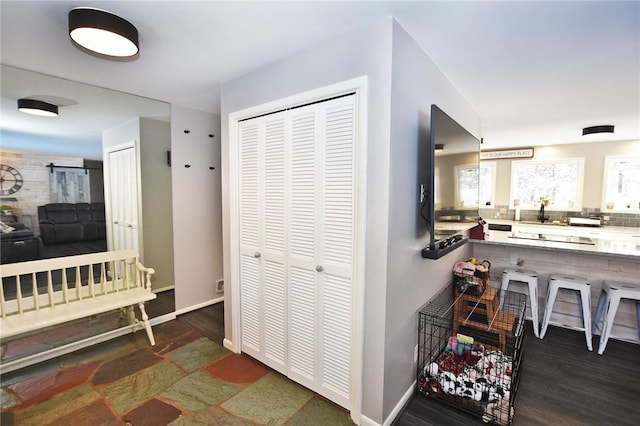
(103, 32)
(35, 107)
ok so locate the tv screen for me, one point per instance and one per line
(454, 179)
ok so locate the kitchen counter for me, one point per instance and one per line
(614, 241)
(598, 254)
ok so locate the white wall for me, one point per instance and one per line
(411, 280)
(50, 145)
(197, 209)
(593, 153)
(154, 189)
(155, 186)
(367, 51)
(36, 176)
(397, 279)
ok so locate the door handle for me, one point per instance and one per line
(115, 222)
(129, 226)
(319, 268)
(257, 254)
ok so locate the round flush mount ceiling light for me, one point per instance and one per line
(103, 32)
(36, 107)
(597, 129)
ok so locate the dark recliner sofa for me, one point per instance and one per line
(19, 246)
(66, 222)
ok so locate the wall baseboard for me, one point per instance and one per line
(165, 288)
(229, 345)
(366, 421)
(400, 405)
(199, 305)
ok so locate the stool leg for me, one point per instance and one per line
(503, 287)
(598, 317)
(638, 312)
(611, 308)
(585, 296)
(533, 300)
(552, 291)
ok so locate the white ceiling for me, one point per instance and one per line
(536, 72)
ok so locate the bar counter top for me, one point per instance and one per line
(614, 241)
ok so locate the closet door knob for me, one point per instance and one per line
(257, 254)
(319, 268)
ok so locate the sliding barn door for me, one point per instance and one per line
(297, 221)
(123, 199)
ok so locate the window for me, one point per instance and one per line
(621, 182)
(466, 184)
(487, 183)
(559, 181)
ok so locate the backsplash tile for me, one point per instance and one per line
(615, 219)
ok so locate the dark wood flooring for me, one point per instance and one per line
(72, 249)
(208, 321)
(562, 383)
(163, 304)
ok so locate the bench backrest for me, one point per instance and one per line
(43, 283)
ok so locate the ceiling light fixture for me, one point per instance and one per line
(103, 32)
(597, 129)
(35, 107)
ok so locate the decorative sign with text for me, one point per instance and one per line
(507, 153)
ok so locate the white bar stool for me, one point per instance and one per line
(570, 282)
(612, 292)
(531, 279)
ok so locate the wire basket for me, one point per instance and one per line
(470, 351)
(472, 280)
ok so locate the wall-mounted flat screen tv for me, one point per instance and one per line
(453, 190)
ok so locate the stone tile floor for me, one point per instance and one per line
(185, 379)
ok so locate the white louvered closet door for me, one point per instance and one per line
(262, 239)
(297, 220)
(123, 191)
(322, 222)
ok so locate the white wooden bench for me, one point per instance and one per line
(47, 292)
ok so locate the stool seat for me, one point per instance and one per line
(569, 282)
(612, 293)
(531, 279)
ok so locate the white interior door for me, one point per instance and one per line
(123, 198)
(262, 243)
(296, 201)
(322, 244)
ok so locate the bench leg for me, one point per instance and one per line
(147, 324)
(131, 316)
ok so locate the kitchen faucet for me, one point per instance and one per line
(541, 216)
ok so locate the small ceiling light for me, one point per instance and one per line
(597, 129)
(439, 147)
(35, 107)
(103, 32)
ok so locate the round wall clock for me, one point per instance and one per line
(10, 180)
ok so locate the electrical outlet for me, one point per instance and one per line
(220, 286)
(415, 355)
(421, 193)
(513, 259)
